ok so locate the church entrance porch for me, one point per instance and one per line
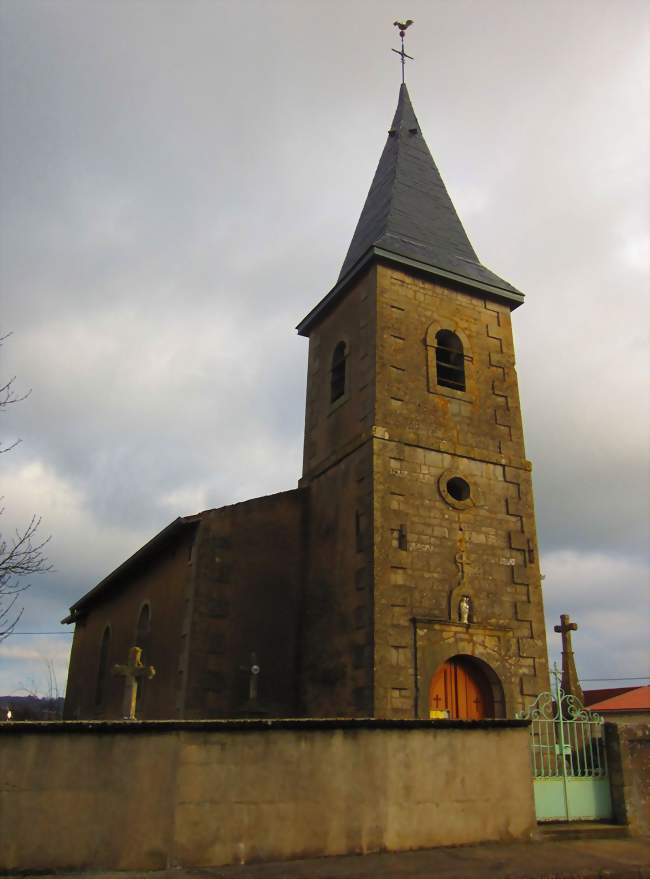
(461, 690)
(460, 664)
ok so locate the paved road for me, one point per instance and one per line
(577, 859)
(565, 859)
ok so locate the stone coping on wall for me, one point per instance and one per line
(248, 725)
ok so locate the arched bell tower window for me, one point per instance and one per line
(102, 668)
(450, 360)
(338, 373)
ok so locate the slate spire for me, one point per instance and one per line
(408, 213)
(409, 219)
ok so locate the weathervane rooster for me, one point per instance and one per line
(402, 25)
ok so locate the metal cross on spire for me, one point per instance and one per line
(403, 25)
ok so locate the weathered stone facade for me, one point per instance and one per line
(219, 586)
(160, 579)
(389, 448)
(410, 543)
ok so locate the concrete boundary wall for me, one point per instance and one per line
(152, 795)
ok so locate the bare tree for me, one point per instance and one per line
(21, 554)
(47, 703)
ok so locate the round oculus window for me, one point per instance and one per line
(455, 490)
(458, 488)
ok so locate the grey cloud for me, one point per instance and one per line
(608, 596)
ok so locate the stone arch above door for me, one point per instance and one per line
(465, 688)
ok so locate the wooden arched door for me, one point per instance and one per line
(460, 690)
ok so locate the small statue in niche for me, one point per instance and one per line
(464, 609)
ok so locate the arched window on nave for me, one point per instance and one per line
(102, 666)
(143, 628)
(338, 372)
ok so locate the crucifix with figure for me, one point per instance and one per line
(132, 672)
(570, 682)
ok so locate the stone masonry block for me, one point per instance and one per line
(515, 507)
(399, 615)
(500, 359)
(401, 596)
(520, 592)
(491, 306)
(518, 540)
(493, 330)
(524, 610)
(523, 629)
(400, 656)
(512, 474)
(510, 449)
(520, 574)
(531, 647)
(503, 416)
(401, 676)
(530, 685)
(399, 698)
(217, 608)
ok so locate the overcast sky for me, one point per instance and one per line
(179, 185)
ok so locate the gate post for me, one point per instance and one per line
(628, 753)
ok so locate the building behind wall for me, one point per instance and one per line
(401, 578)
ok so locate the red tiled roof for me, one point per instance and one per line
(632, 700)
(593, 696)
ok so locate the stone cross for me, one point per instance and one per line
(132, 672)
(570, 682)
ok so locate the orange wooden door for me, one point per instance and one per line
(460, 690)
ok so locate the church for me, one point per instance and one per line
(400, 579)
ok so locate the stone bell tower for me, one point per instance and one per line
(423, 594)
